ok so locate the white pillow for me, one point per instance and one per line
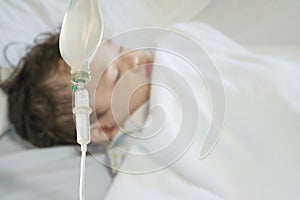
(4, 122)
(21, 21)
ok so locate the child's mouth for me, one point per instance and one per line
(148, 69)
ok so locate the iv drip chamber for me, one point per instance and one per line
(81, 34)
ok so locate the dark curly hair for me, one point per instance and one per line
(40, 106)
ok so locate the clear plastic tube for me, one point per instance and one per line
(82, 113)
(82, 171)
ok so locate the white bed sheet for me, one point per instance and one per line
(52, 173)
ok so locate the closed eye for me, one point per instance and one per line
(121, 49)
(117, 77)
(101, 114)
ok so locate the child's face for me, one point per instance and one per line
(117, 88)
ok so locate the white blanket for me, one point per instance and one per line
(51, 173)
(257, 156)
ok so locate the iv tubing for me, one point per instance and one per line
(87, 32)
(82, 111)
(82, 171)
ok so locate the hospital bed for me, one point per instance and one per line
(267, 27)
